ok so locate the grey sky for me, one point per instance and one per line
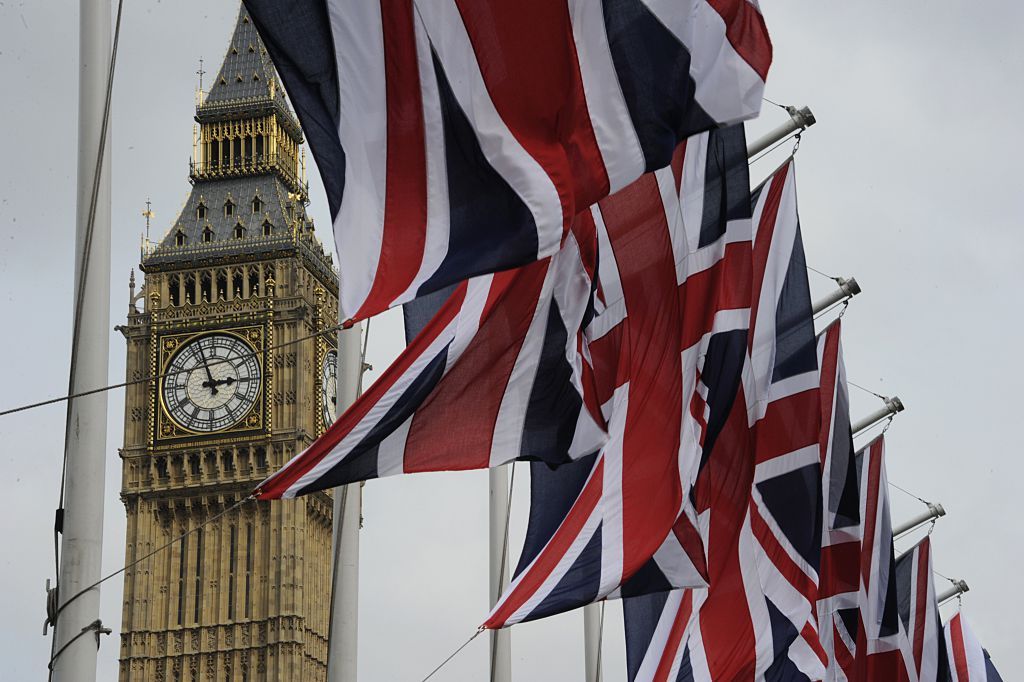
(909, 181)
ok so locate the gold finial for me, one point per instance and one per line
(199, 91)
(148, 214)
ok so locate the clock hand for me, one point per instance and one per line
(211, 383)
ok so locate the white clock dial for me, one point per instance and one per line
(212, 383)
(329, 387)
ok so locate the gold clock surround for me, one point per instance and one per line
(167, 428)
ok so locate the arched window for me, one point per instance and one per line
(268, 229)
(229, 208)
(257, 205)
(201, 211)
(179, 237)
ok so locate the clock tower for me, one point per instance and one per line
(227, 325)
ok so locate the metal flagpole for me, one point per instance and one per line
(78, 627)
(799, 119)
(958, 588)
(848, 288)
(342, 642)
(935, 511)
(591, 642)
(501, 639)
(892, 406)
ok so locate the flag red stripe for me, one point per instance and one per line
(872, 494)
(763, 237)
(921, 599)
(405, 200)
(724, 486)
(786, 427)
(956, 636)
(675, 637)
(651, 491)
(724, 286)
(840, 569)
(553, 123)
(746, 32)
(474, 386)
(278, 484)
(555, 550)
(827, 382)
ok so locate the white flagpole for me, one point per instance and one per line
(799, 119)
(78, 626)
(342, 642)
(958, 588)
(934, 512)
(848, 288)
(892, 406)
(592, 642)
(501, 640)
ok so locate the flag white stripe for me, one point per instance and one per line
(499, 145)
(609, 116)
(362, 129)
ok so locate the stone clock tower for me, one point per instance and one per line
(233, 297)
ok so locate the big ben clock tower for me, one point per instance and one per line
(233, 298)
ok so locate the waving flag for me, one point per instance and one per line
(969, 662)
(665, 352)
(919, 612)
(493, 376)
(868, 638)
(760, 491)
(460, 138)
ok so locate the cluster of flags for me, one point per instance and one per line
(558, 192)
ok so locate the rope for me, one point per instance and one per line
(837, 280)
(866, 390)
(146, 379)
(83, 276)
(600, 642)
(780, 106)
(453, 654)
(919, 499)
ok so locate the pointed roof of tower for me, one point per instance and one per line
(246, 80)
(247, 72)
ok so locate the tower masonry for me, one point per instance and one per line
(233, 381)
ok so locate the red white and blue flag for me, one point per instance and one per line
(969, 662)
(868, 638)
(919, 612)
(665, 354)
(665, 334)
(759, 493)
(495, 375)
(459, 138)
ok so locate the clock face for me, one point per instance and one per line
(329, 387)
(211, 383)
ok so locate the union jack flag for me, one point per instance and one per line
(458, 138)
(869, 640)
(761, 493)
(665, 334)
(665, 352)
(919, 612)
(501, 354)
(969, 661)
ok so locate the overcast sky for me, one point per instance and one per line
(909, 181)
